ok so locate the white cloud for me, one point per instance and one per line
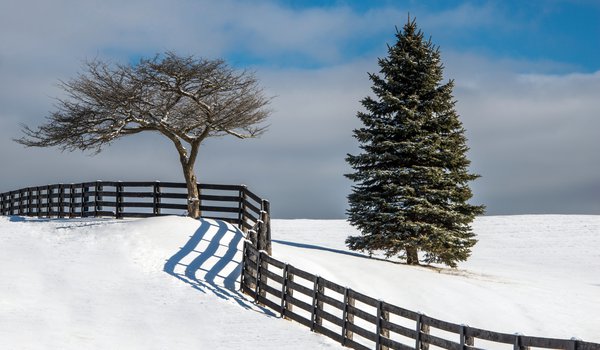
(533, 136)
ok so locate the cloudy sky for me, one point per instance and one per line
(527, 87)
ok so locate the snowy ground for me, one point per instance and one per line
(164, 283)
(533, 274)
(158, 283)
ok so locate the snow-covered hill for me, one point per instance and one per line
(170, 282)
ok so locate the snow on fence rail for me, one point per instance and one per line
(362, 322)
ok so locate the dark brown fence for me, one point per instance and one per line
(361, 322)
(232, 203)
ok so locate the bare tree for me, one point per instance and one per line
(183, 98)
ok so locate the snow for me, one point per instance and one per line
(536, 275)
(171, 282)
(108, 284)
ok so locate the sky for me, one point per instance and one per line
(527, 83)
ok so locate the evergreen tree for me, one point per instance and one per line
(411, 178)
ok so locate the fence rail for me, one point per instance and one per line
(122, 199)
(362, 322)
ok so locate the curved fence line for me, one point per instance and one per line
(362, 322)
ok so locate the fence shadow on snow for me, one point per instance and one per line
(211, 262)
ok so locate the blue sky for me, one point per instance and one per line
(562, 31)
(527, 76)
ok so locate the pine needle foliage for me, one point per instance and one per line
(411, 191)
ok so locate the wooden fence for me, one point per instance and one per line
(361, 322)
(232, 203)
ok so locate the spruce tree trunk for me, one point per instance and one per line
(412, 256)
(192, 189)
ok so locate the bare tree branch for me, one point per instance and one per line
(184, 98)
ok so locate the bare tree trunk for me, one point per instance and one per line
(193, 193)
(187, 164)
(192, 189)
(412, 256)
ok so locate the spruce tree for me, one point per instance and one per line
(411, 191)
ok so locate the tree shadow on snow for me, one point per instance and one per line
(212, 263)
(339, 251)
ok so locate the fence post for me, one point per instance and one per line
(61, 200)
(289, 307)
(71, 200)
(421, 329)
(5, 203)
(318, 288)
(574, 344)
(20, 210)
(12, 203)
(258, 276)
(38, 201)
(242, 209)
(284, 290)
(465, 340)
(247, 268)
(24, 201)
(263, 276)
(199, 199)
(119, 200)
(49, 200)
(253, 237)
(347, 317)
(244, 257)
(266, 218)
(97, 198)
(84, 200)
(262, 232)
(156, 199)
(519, 342)
(29, 201)
(381, 330)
